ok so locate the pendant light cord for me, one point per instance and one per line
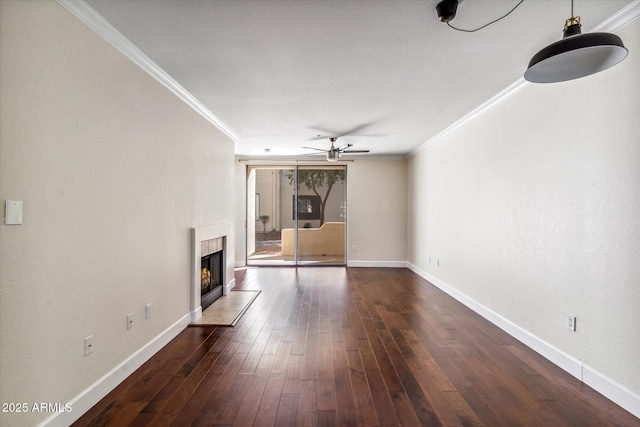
(495, 20)
(572, 8)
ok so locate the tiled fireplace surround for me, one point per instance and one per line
(211, 246)
(204, 241)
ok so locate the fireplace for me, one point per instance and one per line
(205, 241)
(211, 271)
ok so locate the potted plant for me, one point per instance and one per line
(264, 219)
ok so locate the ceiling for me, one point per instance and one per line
(278, 73)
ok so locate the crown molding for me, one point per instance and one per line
(614, 23)
(108, 32)
(501, 96)
(280, 161)
(618, 20)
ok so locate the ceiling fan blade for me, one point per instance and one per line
(353, 130)
(313, 148)
(317, 137)
(344, 147)
(339, 134)
(355, 151)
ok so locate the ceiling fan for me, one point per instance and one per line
(334, 153)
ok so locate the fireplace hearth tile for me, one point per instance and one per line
(228, 309)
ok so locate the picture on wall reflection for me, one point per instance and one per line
(308, 207)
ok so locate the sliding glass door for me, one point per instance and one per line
(296, 215)
(267, 190)
(321, 216)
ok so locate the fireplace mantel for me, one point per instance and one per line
(199, 235)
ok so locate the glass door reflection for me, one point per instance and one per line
(321, 225)
(296, 215)
(266, 187)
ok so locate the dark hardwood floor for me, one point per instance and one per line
(351, 347)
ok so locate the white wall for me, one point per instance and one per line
(113, 170)
(376, 211)
(532, 210)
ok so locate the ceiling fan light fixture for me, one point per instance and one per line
(333, 155)
(576, 55)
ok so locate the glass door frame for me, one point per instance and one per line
(251, 194)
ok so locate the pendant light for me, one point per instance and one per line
(576, 55)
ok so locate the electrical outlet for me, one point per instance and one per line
(129, 321)
(147, 311)
(354, 248)
(88, 345)
(13, 212)
(571, 322)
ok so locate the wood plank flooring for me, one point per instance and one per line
(332, 346)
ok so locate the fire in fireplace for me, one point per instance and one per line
(211, 267)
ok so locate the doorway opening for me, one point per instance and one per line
(296, 215)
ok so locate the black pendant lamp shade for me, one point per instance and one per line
(576, 55)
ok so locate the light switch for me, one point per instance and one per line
(13, 212)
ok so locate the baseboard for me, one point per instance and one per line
(391, 264)
(98, 390)
(196, 314)
(617, 393)
(229, 286)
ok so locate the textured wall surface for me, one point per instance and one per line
(376, 208)
(113, 170)
(532, 209)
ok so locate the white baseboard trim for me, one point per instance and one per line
(98, 390)
(379, 264)
(196, 314)
(229, 286)
(617, 393)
